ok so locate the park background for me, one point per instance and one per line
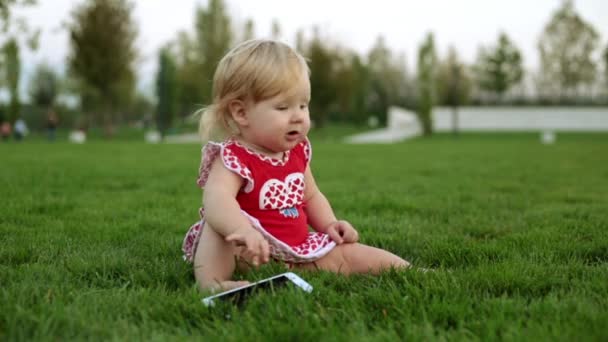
(513, 228)
(107, 65)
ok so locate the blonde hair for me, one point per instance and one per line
(254, 70)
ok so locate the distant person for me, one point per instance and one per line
(20, 129)
(5, 130)
(52, 121)
(260, 194)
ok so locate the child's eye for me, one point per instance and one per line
(282, 108)
(303, 106)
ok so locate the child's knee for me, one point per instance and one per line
(350, 253)
(340, 260)
(214, 259)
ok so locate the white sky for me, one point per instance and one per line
(466, 24)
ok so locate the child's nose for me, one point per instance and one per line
(298, 115)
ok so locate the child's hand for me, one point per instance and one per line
(342, 231)
(256, 247)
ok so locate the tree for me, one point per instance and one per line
(5, 10)
(378, 63)
(605, 58)
(361, 84)
(321, 63)
(427, 62)
(388, 83)
(351, 88)
(188, 75)
(213, 39)
(12, 30)
(454, 84)
(499, 68)
(566, 46)
(44, 86)
(102, 55)
(197, 55)
(275, 32)
(13, 73)
(300, 42)
(249, 30)
(166, 88)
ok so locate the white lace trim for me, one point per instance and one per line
(263, 157)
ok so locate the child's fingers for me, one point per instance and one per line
(348, 232)
(256, 249)
(352, 236)
(334, 235)
(236, 238)
(265, 251)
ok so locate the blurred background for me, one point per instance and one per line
(112, 66)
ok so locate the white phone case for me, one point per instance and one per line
(272, 281)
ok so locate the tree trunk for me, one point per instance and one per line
(455, 120)
(108, 125)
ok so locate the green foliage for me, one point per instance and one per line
(214, 38)
(427, 62)
(5, 12)
(322, 63)
(275, 30)
(499, 68)
(166, 87)
(454, 84)
(388, 83)
(453, 80)
(352, 85)
(102, 55)
(196, 56)
(605, 60)
(347, 89)
(188, 74)
(43, 86)
(141, 108)
(513, 230)
(566, 47)
(249, 30)
(12, 65)
(11, 31)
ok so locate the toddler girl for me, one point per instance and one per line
(259, 193)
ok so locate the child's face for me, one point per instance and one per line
(281, 122)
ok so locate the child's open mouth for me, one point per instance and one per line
(293, 135)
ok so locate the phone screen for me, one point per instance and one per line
(239, 295)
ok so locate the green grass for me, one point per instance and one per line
(90, 240)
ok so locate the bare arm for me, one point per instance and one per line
(321, 216)
(223, 213)
(318, 210)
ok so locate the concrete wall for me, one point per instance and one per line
(523, 119)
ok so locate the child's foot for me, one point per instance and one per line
(228, 285)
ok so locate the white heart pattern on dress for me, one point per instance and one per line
(276, 194)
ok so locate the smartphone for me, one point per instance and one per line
(239, 294)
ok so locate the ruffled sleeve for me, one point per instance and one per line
(213, 150)
(307, 148)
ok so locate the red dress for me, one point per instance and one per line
(271, 197)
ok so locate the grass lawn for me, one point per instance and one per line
(90, 240)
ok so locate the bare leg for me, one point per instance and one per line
(214, 261)
(351, 258)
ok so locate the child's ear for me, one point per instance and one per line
(238, 111)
